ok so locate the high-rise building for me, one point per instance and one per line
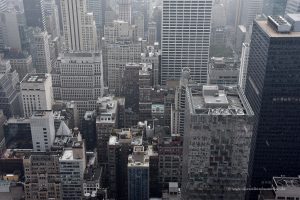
(138, 174)
(72, 164)
(9, 31)
(40, 50)
(97, 7)
(34, 13)
(138, 19)
(51, 18)
(293, 6)
(272, 87)
(223, 71)
(152, 54)
(244, 66)
(9, 95)
(3, 5)
(89, 130)
(42, 176)
(184, 42)
(216, 145)
(120, 145)
(152, 33)
(42, 130)
(125, 10)
(78, 77)
(37, 93)
(274, 7)
(79, 27)
(21, 62)
(249, 10)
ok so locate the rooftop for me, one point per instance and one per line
(67, 155)
(210, 100)
(286, 182)
(35, 78)
(268, 29)
(41, 114)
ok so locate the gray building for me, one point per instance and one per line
(223, 71)
(10, 96)
(216, 145)
(293, 6)
(34, 13)
(138, 174)
(184, 42)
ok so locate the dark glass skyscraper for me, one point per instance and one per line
(34, 13)
(273, 91)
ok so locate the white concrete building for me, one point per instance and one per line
(72, 164)
(217, 138)
(41, 51)
(79, 27)
(152, 55)
(244, 66)
(36, 92)
(186, 27)
(42, 130)
(78, 77)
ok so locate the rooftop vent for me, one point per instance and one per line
(279, 24)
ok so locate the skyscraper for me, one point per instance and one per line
(216, 145)
(125, 9)
(42, 130)
(293, 6)
(272, 88)
(185, 38)
(138, 174)
(3, 5)
(79, 26)
(34, 13)
(249, 10)
(37, 94)
(274, 7)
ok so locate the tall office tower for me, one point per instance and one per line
(34, 13)
(42, 130)
(138, 174)
(125, 10)
(40, 50)
(138, 20)
(37, 93)
(216, 145)
(151, 54)
(21, 62)
(144, 91)
(272, 87)
(249, 10)
(152, 33)
(10, 35)
(106, 122)
(78, 77)
(79, 27)
(3, 5)
(170, 159)
(97, 7)
(244, 66)
(51, 18)
(72, 164)
(130, 86)
(10, 97)
(218, 23)
(274, 7)
(42, 177)
(293, 6)
(184, 42)
(120, 47)
(223, 71)
(89, 130)
(120, 145)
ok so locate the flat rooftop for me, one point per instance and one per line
(41, 114)
(292, 182)
(35, 78)
(67, 155)
(273, 33)
(211, 100)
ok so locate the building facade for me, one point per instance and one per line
(272, 87)
(216, 145)
(37, 93)
(184, 42)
